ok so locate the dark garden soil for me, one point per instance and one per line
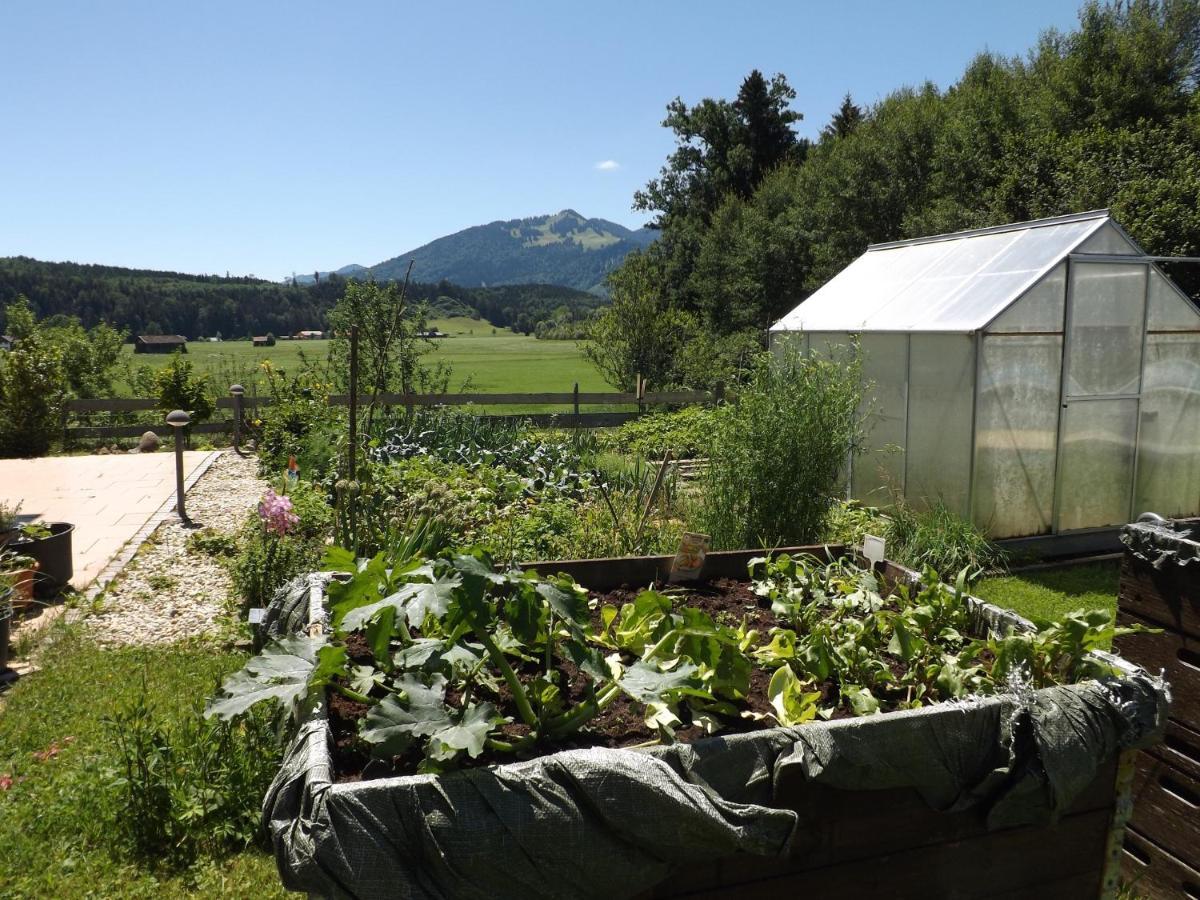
(620, 724)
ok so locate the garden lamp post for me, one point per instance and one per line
(178, 420)
(237, 392)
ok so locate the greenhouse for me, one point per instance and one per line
(1041, 378)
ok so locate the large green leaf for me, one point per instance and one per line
(793, 705)
(570, 605)
(648, 684)
(395, 723)
(280, 673)
(413, 601)
(468, 733)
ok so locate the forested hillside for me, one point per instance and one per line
(753, 218)
(151, 302)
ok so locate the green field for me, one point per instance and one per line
(485, 359)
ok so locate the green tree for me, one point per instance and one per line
(638, 334)
(844, 121)
(177, 386)
(723, 147)
(33, 388)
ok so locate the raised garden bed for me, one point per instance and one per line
(1002, 795)
(1160, 586)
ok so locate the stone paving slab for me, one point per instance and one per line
(108, 498)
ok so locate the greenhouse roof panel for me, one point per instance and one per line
(953, 282)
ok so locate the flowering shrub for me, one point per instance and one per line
(282, 537)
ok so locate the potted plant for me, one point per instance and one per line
(21, 571)
(49, 544)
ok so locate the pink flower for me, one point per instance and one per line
(276, 513)
(6, 781)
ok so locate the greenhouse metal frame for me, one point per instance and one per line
(1041, 378)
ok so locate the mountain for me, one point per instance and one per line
(562, 249)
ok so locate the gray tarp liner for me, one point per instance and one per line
(1162, 542)
(609, 823)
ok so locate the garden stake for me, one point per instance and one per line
(658, 480)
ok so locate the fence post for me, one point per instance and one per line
(353, 400)
(178, 420)
(718, 392)
(576, 392)
(237, 392)
(641, 392)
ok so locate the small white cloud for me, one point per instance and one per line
(609, 165)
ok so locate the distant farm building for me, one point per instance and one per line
(309, 335)
(160, 343)
(433, 333)
(266, 340)
(7, 341)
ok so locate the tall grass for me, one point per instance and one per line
(778, 454)
(937, 536)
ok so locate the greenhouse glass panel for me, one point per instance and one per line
(783, 341)
(949, 283)
(827, 344)
(1041, 307)
(885, 365)
(941, 396)
(1168, 470)
(1097, 463)
(1108, 240)
(1169, 309)
(1104, 345)
(1016, 434)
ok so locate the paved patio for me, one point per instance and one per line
(109, 498)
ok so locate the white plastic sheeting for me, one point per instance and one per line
(949, 283)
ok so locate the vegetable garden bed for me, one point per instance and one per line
(766, 778)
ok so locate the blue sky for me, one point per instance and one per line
(262, 137)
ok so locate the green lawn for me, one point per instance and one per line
(58, 810)
(494, 360)
(1049, 593)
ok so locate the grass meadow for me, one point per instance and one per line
(484, 359)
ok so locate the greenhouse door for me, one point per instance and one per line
(1101, 390)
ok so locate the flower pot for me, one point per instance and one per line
(23, 587)
(53, 555)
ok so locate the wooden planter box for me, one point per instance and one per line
(886, 841)
(1162, 589)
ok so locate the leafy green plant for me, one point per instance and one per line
(33, 388)
(780, 451)
(9, 515)
(912, 647)
(685, 433)
(281, 539)
(210, 542)
(177, 386)
(191, 789)
(938, 537)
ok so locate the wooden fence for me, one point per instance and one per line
(240, 406)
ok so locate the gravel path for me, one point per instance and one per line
(168, 592)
